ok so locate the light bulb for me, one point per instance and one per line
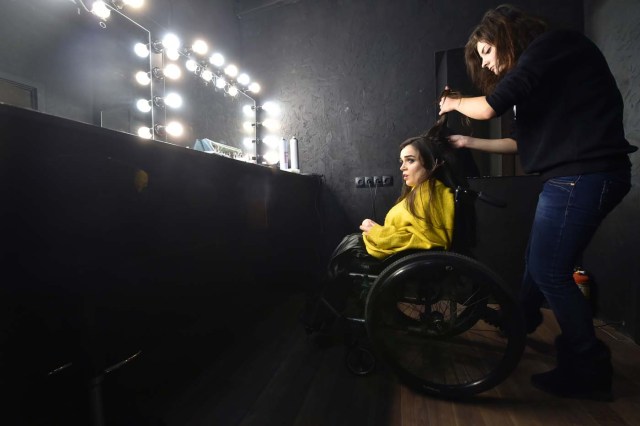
(243, 79)
(174, 129)
(232, 90)
(271, 157)
(207, 75)
(248, 126)
(217, 60)
(100, 9)
(173, 100)
(172, 71)
(145, 132)
(143, 105)
(221, 83)
(200, 47)
(171, 41)
(248, 110)
(271, 124)
(272, 108)
(172, 54)
(247, 142)
(191, 65)
(231, 70)
(143, 78)
(271, 141)
(254, 87)
(141, 50)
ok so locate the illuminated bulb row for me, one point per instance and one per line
(172, 128)
(172, 100)
(103, 11)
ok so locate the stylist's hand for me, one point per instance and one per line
(459, 141)
(366, 226)
(448, 104)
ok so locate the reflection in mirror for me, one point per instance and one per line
(107, 64)
(80, 66)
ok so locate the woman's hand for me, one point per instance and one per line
(448, 104)
(459, 141)
(366, 226)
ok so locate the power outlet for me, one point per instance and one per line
(368, 181)
(377, 180)
(359, 182)
(387, 180)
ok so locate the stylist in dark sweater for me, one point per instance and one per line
(568, 129)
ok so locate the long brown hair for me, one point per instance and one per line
(510, 31)
(438, 158)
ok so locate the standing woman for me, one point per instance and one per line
(568, 129)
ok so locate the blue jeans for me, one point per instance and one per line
(569, 211)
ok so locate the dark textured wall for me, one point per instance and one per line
(357, 77)
(613, 255)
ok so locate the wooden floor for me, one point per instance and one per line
(294, 379)
(272, 373)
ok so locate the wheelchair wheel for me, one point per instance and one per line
(445, 324)
(359, 360)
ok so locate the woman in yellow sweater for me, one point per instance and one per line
(423, 215)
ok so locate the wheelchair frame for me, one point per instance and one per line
(442, 321)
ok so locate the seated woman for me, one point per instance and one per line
(422, 217)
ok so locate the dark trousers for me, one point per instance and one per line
(569, 211)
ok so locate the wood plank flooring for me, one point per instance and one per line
(266, 370)
(308, 384)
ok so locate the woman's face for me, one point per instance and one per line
(413, 172)
(488, 56)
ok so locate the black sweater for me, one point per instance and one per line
(568, 107)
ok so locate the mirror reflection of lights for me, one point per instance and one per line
(141, 49)
(143, 78)
(191, 65)
(200, 47)
(217, 60)
(100, 9)
(231, 70)
(221, 83)
(254, 87)
(206, 75)
(243, 79)
(232, 90)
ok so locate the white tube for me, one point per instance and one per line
(293, 153)
(284, 163)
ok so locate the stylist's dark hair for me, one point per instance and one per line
(437, 156)
(511, 31)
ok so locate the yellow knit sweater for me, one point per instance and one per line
(403, 231)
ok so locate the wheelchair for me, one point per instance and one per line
(443, 322)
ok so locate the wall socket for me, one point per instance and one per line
(371, 181)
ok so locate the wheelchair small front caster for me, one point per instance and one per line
(360, 360)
